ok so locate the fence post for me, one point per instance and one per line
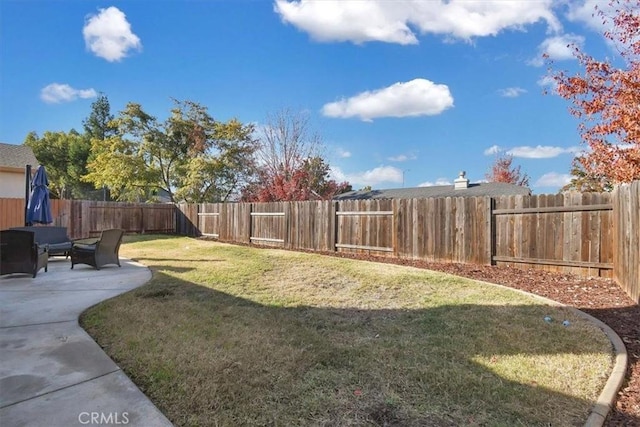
(626, 238)
(286, 227)
(250, 222)
(333, 226)
(196, 221)
(27, 192)
(222, 221)
(395, 224)
(491, 231)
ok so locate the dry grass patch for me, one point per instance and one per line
(228, 335)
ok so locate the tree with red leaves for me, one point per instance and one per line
(503, 171)
(607, 101)
(290, 167)
(308, 182)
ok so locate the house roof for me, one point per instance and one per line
(491, 189)
(16, 156)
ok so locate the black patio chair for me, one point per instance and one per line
(19, 253)
(100, 253)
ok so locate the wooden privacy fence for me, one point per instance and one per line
(589, 234)
(87, 218)
(626, 238)
(454, 229)
(571, 232)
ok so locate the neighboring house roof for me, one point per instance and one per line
(16, 156)
(492, 189)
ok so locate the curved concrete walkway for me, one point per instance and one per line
(52, 373)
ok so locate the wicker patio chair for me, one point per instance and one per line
(19, 253)
(98, 254)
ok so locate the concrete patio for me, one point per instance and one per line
(52, 372)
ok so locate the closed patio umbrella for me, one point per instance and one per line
(39, 206)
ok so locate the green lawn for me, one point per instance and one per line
(226, 335)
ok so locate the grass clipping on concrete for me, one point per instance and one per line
(226, 335)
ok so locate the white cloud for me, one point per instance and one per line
(549, 83)
(108, 35)
(402, 158)
(586, 13)
(372, 177)
(558, 48)
(512, 92)
(343, 154)
(55, 93)
(395, 21)
(540, 151)
(418, 97)
(494, 149)
(553, 179)
(439, 181)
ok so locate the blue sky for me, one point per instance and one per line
(411, 91)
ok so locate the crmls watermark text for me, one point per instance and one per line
(98, 418)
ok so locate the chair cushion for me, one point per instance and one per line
(66, 246)
(83, 247)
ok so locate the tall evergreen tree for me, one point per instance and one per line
(99, 123)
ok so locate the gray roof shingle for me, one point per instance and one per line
(16, 156)
(492, 189)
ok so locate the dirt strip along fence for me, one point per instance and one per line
(85, 219)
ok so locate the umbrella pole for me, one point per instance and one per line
(27, 191)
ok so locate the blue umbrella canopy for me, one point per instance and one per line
(39, 206)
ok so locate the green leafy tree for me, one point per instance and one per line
(583, 181)
(217, 175)
(65, 157)
(66, 154)
(189, 156)
(319, 180)
(98, 126)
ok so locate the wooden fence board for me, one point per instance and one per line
(209, 219)
(559, 230)
(364, 226)
(12, 213)
(187, 219)
(626, 238)
(310, 225)
(536, 230)
(268, 223)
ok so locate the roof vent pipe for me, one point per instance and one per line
(461, 182)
